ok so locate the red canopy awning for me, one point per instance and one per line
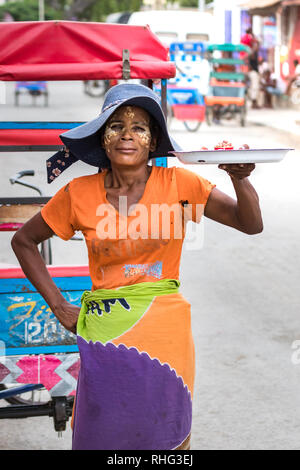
(71, 50)
(262, 7)
(290, 3)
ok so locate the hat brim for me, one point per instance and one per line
(84, 141)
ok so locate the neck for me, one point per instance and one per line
(127, 177)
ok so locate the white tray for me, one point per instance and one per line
(232, 156)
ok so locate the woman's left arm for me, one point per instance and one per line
(244, 213)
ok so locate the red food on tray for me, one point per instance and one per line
(225, 145)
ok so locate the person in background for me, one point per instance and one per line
(293, 77)
(254, 77)
(248, 39)
(272, 85)
(297, 68)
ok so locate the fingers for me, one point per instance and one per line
(238, 170)
(237, 166)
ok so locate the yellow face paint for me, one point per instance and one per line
(144, 136)
(128, 122)
(129, 112)
(109, 134)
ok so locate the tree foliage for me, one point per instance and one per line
(88, 10)
(27, 10)
(104, 7)
(191, 3)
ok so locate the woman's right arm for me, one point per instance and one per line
(25, 245)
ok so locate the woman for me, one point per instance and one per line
(135, 385)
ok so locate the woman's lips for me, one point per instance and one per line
(125, 150)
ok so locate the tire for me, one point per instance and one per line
(295, 96)
(208, 115)
(96, 88)
(243, 116)
(192, 126)
(17, 93)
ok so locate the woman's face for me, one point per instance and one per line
(127, 138)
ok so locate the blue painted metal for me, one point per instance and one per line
(33, 86)
(184, 96)
(180, 50)
(228, 26)
(23, 285)
(163, 161)
(38, 125)
(10, 392)
(42, 350)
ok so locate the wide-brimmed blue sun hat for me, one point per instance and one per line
(83, 142)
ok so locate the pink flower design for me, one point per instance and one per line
(56, 171)
(67, 152)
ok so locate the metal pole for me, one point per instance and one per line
(41, 10)
(201, 5)
(164, 97)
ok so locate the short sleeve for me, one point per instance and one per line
(58, 214)
(193, 192)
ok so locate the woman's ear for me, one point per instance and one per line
(153, 143)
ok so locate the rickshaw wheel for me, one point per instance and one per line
(96, 88)
(295, 96)
(208, 115)
(192, 126)
(18, 400)
(17, 93)
(243, 115)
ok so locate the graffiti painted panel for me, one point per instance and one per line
(57, 373)
(26, 321)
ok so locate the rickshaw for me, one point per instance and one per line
(32, 88)
(185, 96)
(36, 352)
(227, 93)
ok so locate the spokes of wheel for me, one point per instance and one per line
(192, 126)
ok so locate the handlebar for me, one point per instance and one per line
(20, 174)
(15, 179)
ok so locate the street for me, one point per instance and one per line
(243, 289)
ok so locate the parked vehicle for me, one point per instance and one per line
(186, 91)
(176, 25)
(227, 95)
(34, 89)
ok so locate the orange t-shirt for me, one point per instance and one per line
(142, 247)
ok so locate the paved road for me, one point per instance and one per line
(244, 292)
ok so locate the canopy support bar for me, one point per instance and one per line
(126, 64)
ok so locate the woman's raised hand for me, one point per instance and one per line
(67, 314)
(238, 170)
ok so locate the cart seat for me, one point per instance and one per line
(224, 100)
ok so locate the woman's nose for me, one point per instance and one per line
(126, 134)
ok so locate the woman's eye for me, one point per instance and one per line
(139, 129)
(116, 127)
